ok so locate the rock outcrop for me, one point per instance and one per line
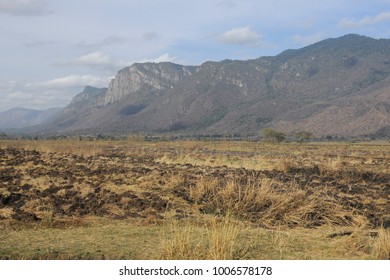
(143, 82)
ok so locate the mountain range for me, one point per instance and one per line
(337, 87)
(17, 118)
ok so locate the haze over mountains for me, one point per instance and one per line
(334, 87)
(20, 117)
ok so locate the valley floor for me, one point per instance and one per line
(134, 199)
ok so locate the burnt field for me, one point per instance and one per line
(271, 187)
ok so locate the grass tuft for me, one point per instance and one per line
(382, 248)
(219, 239)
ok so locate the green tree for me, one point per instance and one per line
(303, 136)
(271, 135)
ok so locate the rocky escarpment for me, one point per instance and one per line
(89, 98)
(133, 89)
(142, 82)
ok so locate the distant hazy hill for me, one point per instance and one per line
(334, 87)
(20, 117)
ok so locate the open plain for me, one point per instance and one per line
(136, 199)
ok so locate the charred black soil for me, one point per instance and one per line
(118, 185)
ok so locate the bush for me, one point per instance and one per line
(303, 136)
(272, 135)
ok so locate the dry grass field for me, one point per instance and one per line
(70, 199)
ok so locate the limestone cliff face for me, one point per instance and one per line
(141, 83)
(132, 90)
(88, 99)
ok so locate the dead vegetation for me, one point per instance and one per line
(270, 204)
(205, 200)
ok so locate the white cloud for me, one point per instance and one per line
(93, 59)
(24, 7)
(308, 40)
(242, 35)
(17, 94)
(352, 23)
(72, 81)
(162, 58)
(53, 93)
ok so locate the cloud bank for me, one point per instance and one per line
(72, 81)
(367, 21)
(24, 7)
(94, 59)
(240, 36)
(162, 58)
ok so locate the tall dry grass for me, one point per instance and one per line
(217, 239)
(268, 203)
(382, 247)
(84, 148)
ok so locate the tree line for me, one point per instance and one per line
(271, 135)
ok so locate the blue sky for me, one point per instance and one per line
(51, 49)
